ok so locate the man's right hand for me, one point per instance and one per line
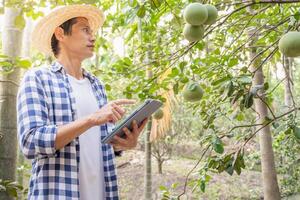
(111, 112)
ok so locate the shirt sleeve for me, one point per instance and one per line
(35, 133)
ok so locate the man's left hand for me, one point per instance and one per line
(130, 141)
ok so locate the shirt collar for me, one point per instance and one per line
(56, 66)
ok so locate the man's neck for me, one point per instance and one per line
(71, 65)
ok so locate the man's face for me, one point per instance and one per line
(81, 41)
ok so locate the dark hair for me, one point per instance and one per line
(67, 27)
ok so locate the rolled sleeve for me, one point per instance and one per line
(35, 133)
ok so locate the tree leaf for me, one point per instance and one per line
(141, 11)
(230, 89)
(221, 80)
(240, 116)
(248, 100)
(132, 3)
(163, 188)
(245, 79)
(218, 145)
(296, 131)
(25, 64)
(232, 62)
(107, 87)
(229, 170)
(202, 185)
(20, 21)
(175, 88)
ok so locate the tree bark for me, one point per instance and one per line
(26, 43)
(148, 154)
(160, 163)
(12, 42)
(148, 151)
(148, 166)
(269, 176)
(288, 87)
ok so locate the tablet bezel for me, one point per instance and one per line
(149, 106)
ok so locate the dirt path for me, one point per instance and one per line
(222, 186)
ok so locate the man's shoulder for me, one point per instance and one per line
(93, 77)
(38, 72)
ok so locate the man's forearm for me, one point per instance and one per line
(68, 132)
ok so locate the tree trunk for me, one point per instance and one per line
(159, 163)
(25, 53)
(148, 167)
(288, 87)
(269, 176)
(148, 151)
(12, 42)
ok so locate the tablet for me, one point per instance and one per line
(139, 114)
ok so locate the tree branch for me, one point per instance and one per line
(271, 111)
(187, 177)
(269, 122)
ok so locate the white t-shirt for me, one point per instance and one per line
(91, 179)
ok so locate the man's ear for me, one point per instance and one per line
(59, 33)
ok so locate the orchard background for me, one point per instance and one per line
(239, 140)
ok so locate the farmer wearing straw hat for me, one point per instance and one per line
(63, 113)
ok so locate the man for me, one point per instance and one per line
(63, 113)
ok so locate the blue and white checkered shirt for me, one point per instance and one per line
(44, 102)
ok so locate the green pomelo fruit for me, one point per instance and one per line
(289, 44)
(193, 92)
(195, 14)
(158, 114)
(212, 14)
(193, 33)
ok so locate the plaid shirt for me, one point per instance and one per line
(44, 102)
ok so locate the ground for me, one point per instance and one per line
(131, 168)
(221, 187)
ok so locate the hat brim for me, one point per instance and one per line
(43, 31)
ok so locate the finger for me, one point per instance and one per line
(118, 140)
(118, 148)
(115, 146)
(134, 126)
(142, 126)
(113, 119)
(116, 114)
(124, 101)
(120, 110)
(127, 133)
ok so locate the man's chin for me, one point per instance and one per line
(89, 55)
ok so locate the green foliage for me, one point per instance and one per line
(20, 21)
(286, 147)
(7, 64)
(154, 42)
(12, 188)
(220, 63)
(167, 194)
(217, 145)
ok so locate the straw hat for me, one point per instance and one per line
(42, 34)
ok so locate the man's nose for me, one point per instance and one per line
(93, 38)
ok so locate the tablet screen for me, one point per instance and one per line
(139, 114)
